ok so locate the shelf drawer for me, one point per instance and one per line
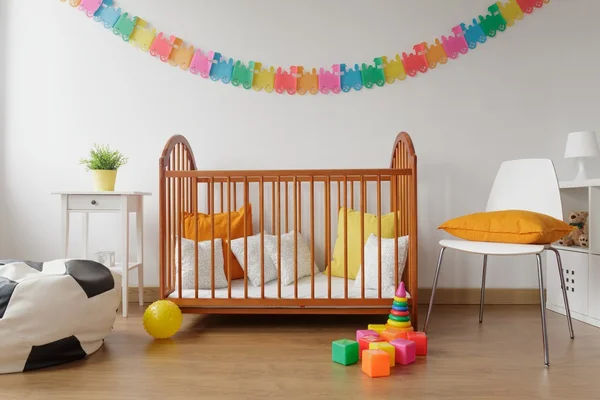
(92, 202)
(576, 270)
(594, 285)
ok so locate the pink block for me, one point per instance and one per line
(365, 332)
(420, 339)
(406, 351)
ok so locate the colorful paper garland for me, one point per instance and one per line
(340, 78)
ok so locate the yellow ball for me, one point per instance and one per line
(162, 319)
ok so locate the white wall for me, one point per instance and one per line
(71, 83)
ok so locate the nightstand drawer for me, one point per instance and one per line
(91, 202)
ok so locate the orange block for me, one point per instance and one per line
(375, 363)
(389, 335)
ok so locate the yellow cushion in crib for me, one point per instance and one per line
(509, 226)
(354, 243)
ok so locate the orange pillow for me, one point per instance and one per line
(221, 220)
(509, 226)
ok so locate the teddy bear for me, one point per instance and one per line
(579, 236)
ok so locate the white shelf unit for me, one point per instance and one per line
(581, 265)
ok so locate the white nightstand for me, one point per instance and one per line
(109, 202)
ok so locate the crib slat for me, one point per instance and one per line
(179, 226)
(352, 195)
(363, 196)
(195, 211)
(345, 237)
(279, 236)
(272, 208)
(228, 258)
(379, 234)
(287, 207)
(328, 232)
(312, 238)
(169, 235)
(212, 238)
(261, 194)
(295, 238)
(299, 185)
(245, 239)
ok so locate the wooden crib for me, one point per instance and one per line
(302, 203)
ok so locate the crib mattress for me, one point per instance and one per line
(287, 292)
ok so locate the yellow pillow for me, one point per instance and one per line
(354, 243)
(510, 226)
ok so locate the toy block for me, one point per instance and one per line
(344, 351)
(365, 341)
(420, 339)
(376, 363)
(389, 335)
(365, 332)
(376, 327)
(406, 351)
(388, 348)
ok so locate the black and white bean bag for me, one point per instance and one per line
(54, 312)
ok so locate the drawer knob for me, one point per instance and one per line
(94, 202)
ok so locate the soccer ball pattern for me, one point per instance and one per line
(54, 312)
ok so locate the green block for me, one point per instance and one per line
(399, 319)
(344, 351)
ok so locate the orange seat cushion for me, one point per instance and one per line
(509, 226)
(221, 221)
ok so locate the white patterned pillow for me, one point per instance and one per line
(287, 257)
(387, 263)
(204, 264)
(254, 264)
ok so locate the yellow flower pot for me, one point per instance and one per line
(104, 180)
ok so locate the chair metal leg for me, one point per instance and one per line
(434, 286)
(543, 310)
(482, 299)
(564, 291)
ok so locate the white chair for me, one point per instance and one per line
(531, 185)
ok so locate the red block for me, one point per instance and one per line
(363, 343)
(420, 339)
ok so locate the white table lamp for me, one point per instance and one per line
(580, 145)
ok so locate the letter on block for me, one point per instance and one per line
(344, 351)
(420, 339)
(388, 348)
(365, 332)
(406, 351)
(389, 335)
(376, 363)
(376, 327)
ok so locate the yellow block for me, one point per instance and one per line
(397, 324)
(376, 327)
(388, 348)
(401, 299)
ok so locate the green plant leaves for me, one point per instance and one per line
(102, 157)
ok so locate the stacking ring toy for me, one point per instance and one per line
(399, 308)
(400, 299)
(399, 319)
(400, 313)
(397, 324)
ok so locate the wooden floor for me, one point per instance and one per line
(289, 357)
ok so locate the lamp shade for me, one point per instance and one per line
(582, 144)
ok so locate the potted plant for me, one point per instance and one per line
(104, 163)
